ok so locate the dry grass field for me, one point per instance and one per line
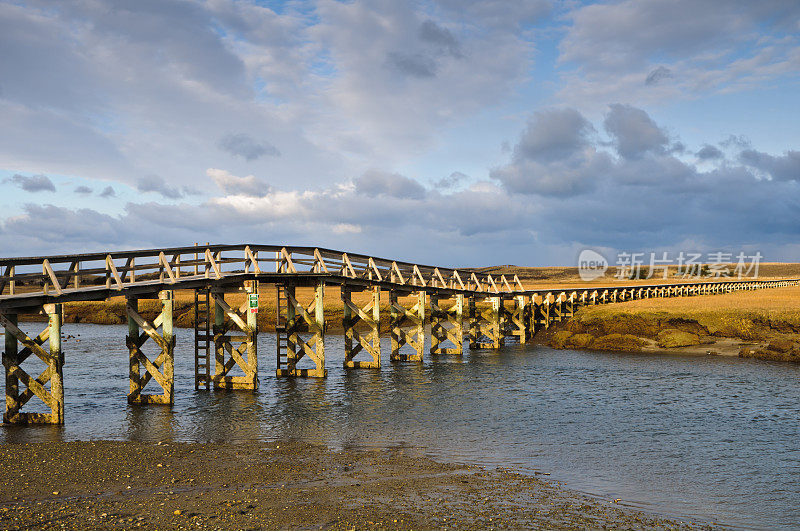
(113, 310)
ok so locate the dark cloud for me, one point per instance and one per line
(658, 75)
(554, 156)
(709, 152)
(554, 134)
(571, 177)
(451, 180)
(52, 224)
(440, 37)
(781, 168)
(32, 183)
(414, 65)
(677, 147)
(108, 191)
(247, 147)
(374, 183)
(154, 183)
(83, 190)
(633, 132)
(667, 201)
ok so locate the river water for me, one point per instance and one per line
(706, 438)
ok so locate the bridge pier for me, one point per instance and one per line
(243, 322)
(541, 312)
(13, 358)
(371, 342)
(569, 304)
(447, 324)
(161, 369)
(415, 336)
(300, 321)
(558, 307)
(487, 325)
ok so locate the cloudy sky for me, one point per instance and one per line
(451, 132)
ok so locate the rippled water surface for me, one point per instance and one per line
(708, 438)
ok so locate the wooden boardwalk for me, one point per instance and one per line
(458, 306)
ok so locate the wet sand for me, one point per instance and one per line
(112, 484)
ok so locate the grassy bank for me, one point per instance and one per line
(763, 324)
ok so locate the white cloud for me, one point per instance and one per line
(231, 184)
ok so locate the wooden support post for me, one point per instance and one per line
(232, 326)
(13, 358)
(498, 322)
(132, 305)
(542, 316)
(438, 333)
(413, 336)
(519, 319)
(457, 329)
(56, 362)
(533, 314)
(371, 342)
(299, 321)
(569, 305)
(161, 369)
(447, 324)
(11, 364)
(473, 328)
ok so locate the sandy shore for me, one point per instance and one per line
(105, 484)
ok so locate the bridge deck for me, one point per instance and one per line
(31, 282)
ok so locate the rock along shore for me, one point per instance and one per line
(723, 333)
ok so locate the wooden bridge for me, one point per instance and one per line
(458, 305)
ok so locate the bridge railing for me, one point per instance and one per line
(118, 270)
(58, 274)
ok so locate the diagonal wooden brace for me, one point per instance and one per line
(447, 325)
(414, 336)
(161, 369)
(355, 342)
(52, 397)
(300, 321)
(245, 354)
(487, 325)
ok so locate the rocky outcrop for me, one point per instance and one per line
(603, 328)
(776, 350)
(673, 338)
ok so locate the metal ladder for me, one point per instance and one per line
(203, 339)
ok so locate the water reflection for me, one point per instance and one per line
(156, 423)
